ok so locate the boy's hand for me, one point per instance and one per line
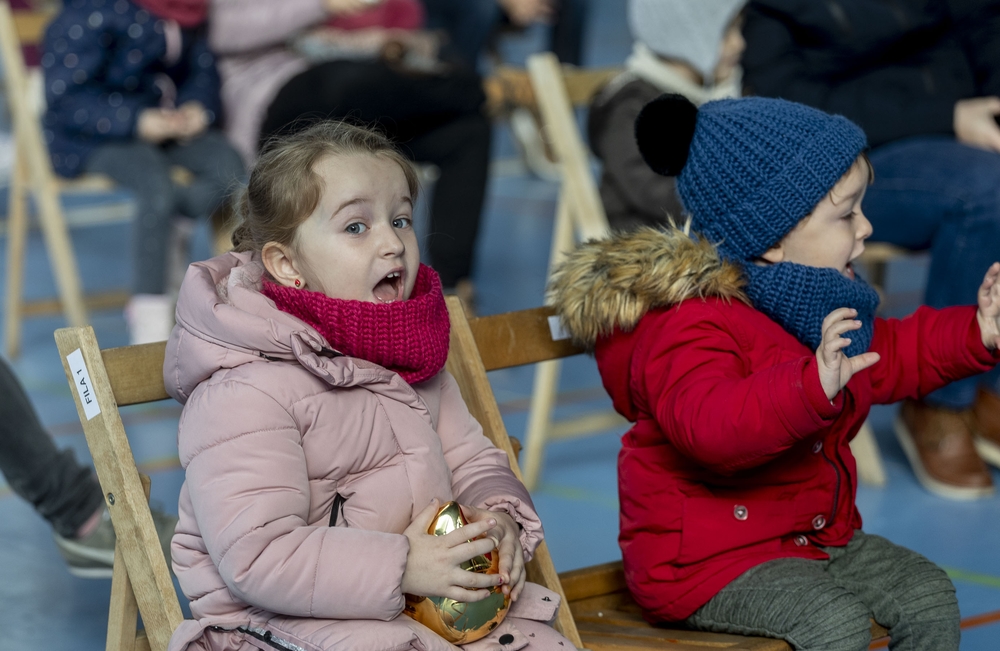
(432, 565)
(836, 368)
(508, 543)
(989, 307)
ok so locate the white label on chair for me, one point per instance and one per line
(81, 378)
(556, 329)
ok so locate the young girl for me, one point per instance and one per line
(320, 433)
(748, 358)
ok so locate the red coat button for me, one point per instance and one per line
(740, 512)
(801, 541)
(817, 447)
(819, 522)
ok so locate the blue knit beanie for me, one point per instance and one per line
(749, 169)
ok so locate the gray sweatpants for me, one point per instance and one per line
(827, 605)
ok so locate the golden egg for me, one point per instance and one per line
(460, 622)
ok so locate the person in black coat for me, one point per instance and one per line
(922, 77)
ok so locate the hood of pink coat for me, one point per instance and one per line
(223, 321)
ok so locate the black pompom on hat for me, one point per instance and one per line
(664, 131)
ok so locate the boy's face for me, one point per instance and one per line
(834, 233)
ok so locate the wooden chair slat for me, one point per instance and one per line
(518, 338)
(136, 373)
(596, 580)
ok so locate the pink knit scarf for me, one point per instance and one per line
(409, 337)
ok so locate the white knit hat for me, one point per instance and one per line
(687, 30)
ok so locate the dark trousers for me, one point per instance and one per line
(144, 169)
(828, 605)
(470, 23)
(434, 119)
(61, 490)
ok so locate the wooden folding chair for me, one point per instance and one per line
(103, 381)
(602, 616)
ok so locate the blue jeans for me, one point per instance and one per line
(469, 24)
(931, 192)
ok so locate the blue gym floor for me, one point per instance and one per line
(44, 607)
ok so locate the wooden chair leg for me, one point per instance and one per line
(871, 470)
(123, 613)
(17, 241)
(543, 398)
(61, 256)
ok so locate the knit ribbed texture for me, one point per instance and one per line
(757, 166)
(800, 297)
(409, 337)
(686, 30)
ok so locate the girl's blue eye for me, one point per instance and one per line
(401, 222)
(356, 228)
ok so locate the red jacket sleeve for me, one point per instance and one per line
(715, 408)
(926, 351)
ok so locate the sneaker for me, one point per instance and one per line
(533, 149)
(149, 318)
(938, 442)
(987, 426)
(93, 556)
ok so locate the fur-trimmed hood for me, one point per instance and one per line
(611, 283)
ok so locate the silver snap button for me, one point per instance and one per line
(740, 512)
(817, 446)
(819, 522)
(801, 541)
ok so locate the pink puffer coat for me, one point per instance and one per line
(275, 431)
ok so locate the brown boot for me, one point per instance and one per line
(986, 426)
(938, 442)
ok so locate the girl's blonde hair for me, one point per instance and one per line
(284, 188)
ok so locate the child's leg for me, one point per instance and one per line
(792, 599)
(217, 170)
(906, 593)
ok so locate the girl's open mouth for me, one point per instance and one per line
(390, 288)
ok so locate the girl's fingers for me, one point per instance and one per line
(469, 531)
(461, 594)
(838, 315)
(470, 549)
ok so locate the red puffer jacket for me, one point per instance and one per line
(736, 456)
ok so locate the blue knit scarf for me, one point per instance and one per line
(799, 297)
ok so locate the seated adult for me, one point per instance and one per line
(132, 91)
(922, 79)
(689, 48)
(287, 63)
(470, 23)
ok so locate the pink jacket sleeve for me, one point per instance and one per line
(481, 474)
(249, 489)
(239, 26)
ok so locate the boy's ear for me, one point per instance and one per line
(774, 255)
(278, 261)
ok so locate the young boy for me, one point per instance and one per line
(748, 358)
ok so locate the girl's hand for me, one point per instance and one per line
(836, 368)
(156, 125)
(507, 538)
(432, 565)
(989, 307)
(193, 120)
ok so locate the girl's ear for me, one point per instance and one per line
(774, 255)
(278, 261)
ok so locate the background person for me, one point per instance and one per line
(132, 91)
